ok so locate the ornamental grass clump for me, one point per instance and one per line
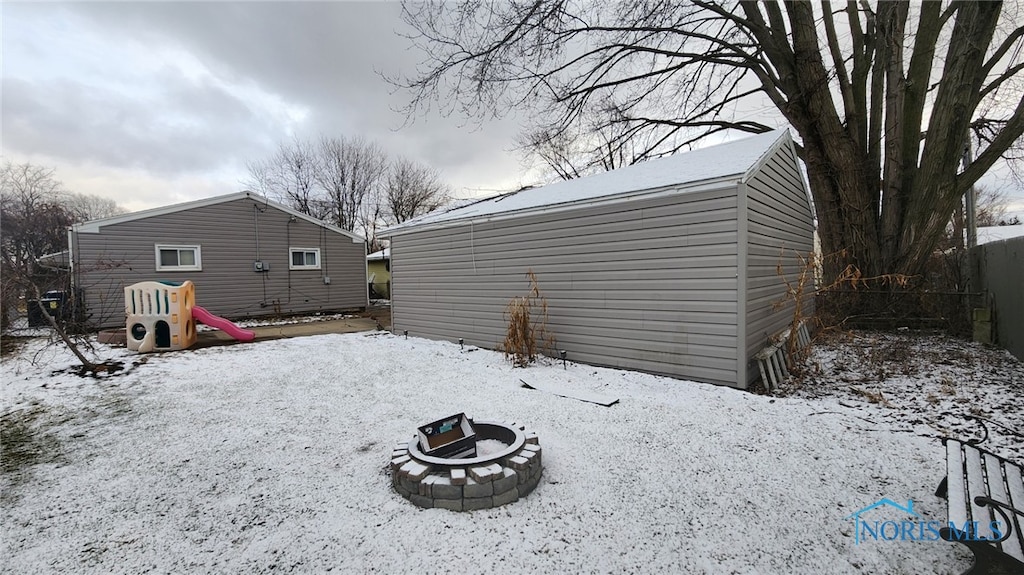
(526, 334)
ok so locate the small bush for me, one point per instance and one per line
(526, 335)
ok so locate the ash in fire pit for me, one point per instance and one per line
(505, 465)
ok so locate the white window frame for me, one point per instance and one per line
(196, 249)
(293, 250)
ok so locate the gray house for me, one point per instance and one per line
(247, 257)
(669, 266)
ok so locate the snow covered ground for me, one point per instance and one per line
(272, 458)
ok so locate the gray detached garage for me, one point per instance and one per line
(247, 257)
(669, 266)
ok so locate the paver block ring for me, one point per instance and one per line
(466, 484)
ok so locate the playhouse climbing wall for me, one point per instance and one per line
(159, 316)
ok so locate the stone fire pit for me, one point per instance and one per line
(481, 482)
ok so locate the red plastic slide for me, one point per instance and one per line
(222, 324)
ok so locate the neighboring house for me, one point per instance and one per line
(246, 255)
(668, 266)
(378, 273)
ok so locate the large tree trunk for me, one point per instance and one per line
(874, 212)
(845, 195)
(934, 196)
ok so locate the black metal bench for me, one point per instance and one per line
(985, 496)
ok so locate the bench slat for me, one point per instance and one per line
(956, 497)
(997, 491)
(981, 515)
(1015, 486)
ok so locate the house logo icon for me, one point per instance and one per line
(860, 524)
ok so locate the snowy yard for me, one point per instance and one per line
(272, 458)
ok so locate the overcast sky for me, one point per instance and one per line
(151, 104)
(156, 103)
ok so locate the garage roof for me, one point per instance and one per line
(737, 159)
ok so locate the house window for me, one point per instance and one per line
(304, 259)
(178, 258)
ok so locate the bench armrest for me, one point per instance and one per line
(1000, 508)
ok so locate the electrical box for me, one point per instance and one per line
(327, 280)
(452, 437)
(260, 266)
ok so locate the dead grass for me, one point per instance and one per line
(24, 443)
(871, 396)
(526, 334)
(925, 382)
(11, 345)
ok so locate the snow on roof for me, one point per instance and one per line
(384, 254)
(56, 259)
(731, 159)
(989, 234)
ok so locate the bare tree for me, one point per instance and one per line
(34, 221)
(371, 219)
(329, 180)
(87, 207)
(575, 152)
(409, 189)
(853, 80)
(349, 171)
(412, 189)
(991, 206)
(289, 176)
(990, 210)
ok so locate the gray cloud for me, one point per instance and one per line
(185, 128)
(183, 89)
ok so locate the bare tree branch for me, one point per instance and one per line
(605, 84)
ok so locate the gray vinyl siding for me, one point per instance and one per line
(123, 254)
(679, 280)
(779, 226)
(645, 284)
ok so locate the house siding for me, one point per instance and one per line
(780, 226)
(646, 284)
(232, 235)
(378, 269)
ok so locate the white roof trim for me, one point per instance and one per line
(734, 162)
(384, 254)
(94, 226)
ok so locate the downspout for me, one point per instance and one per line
(73, 283)
(324, 271)
(76, 296)
(71, 257)
(288, 239)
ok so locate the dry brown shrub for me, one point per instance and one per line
(526, 334)
(802, 289)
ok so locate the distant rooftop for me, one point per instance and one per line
(384, 254)
(990, 234)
